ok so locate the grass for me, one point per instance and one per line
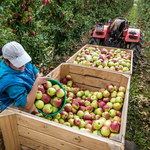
(138, 121)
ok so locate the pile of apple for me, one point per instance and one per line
(49, 97)
(97, 112)
(113, 59)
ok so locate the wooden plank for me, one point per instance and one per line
(125, 111)
(25, 148)
(91, 81)
(80, 73)
(98, 73)
(30, 143)
(68, 134)
(59, 72)
(46, 139)
(9, 131)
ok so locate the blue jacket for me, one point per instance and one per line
(15, 85)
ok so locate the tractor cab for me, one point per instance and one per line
(117, 27)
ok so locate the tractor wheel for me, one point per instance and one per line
(96, 41)
(136, 47)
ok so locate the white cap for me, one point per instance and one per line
(16, 54)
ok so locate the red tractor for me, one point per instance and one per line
(118, 34)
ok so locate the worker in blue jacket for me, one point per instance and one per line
(19, 79)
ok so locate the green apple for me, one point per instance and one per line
(47, 108)
(60, 93)
(105, 131)
(97, 124)
(38, 95)
(51, 91)
(39, 104)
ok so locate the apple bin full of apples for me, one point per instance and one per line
(109, 58)
(96, 111)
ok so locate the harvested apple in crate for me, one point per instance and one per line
(95, 100)
(109, 58)
(50, 98)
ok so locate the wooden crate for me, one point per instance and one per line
(72, 58)
(22, 130)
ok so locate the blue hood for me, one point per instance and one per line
(5, 69)
(11, 77)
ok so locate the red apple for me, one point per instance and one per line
(68, 107)
(87, 116)
(106, 107)
(106, 99)
(101, 104)
(106, 115)
(89, 108)
(64, 114)
(46, 98)
(41, 88)
(75, 105)
(77, 121)
(82, 108)
(115, 126)
(64, 81)
(57, 102)
(110, 88)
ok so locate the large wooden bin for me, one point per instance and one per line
(73, 58)
(21, 129)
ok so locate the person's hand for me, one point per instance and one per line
(39, 74)
(41, 80)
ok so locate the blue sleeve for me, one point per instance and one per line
(18, 94)
(33, 68)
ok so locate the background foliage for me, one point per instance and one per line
(49, 28)
(138, 122)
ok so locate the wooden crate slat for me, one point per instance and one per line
(97, 73)
(91, 81)
(34, 144)
(26, 148)
(125, 110)
(68, 134)
(9, 131)
(47, 139)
